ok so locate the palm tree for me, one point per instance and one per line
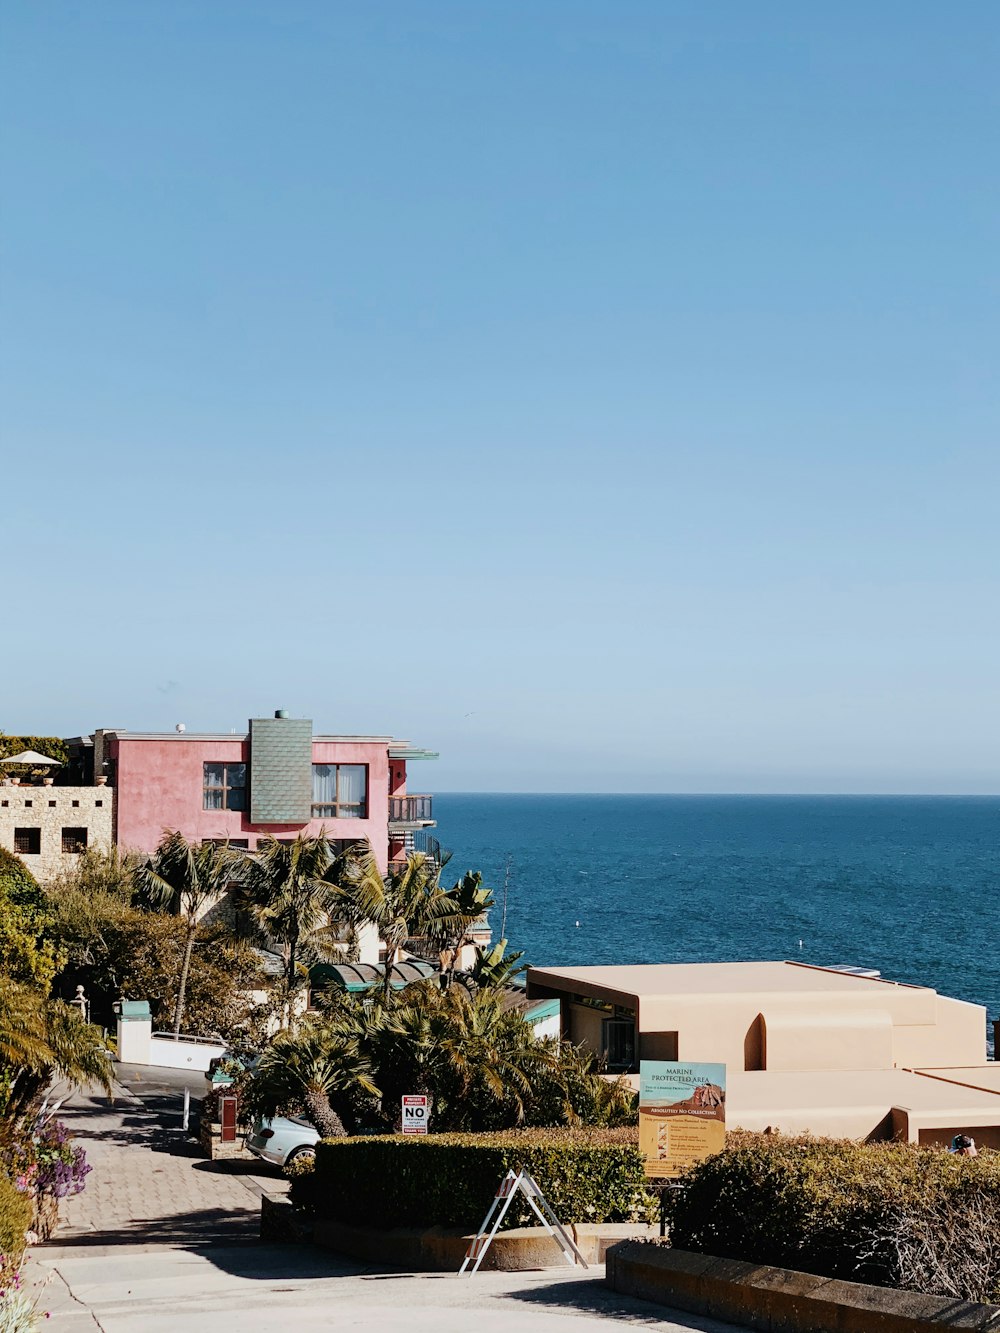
(42, 1038)
(495, 968)
(407, 1047)
(302, 1070)
(476, 1060)
(290, 900)
(469, 901)
(494, 1060)
(402, 904)
(186, 878)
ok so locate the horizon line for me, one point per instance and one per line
(724, 795)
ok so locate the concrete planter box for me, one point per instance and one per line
(780, 1300)
(437, 1249)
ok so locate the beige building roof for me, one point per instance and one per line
(668, 980)
(986, 1077)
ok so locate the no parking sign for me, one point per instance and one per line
(415, 1115)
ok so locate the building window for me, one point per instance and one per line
(74, 839)
(28, 841)
(618, 1040)
(225, 787)
(340, 791)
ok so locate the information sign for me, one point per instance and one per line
(682, 1114)
(415, 1115)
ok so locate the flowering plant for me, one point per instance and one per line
(18, 1312)
(62, 1164)
(47, 1162)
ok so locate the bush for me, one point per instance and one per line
(450, 1180)
(15, 1218)
(18, 884)
(885, 1213)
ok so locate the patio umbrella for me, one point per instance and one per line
(30, 757)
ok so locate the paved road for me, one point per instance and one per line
(272, 1288)
(163, 1240)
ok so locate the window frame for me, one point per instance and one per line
(19, 836)
(334, 810)
(81, 844)
(618, 1031)
(226, 786)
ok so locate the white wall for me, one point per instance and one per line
(170, 1054)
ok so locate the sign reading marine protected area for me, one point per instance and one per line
(415, 1114)
(682, 1114)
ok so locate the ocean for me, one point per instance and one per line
(907, 885)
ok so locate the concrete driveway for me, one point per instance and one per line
(163, 1240)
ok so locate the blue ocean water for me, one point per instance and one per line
(907, 885)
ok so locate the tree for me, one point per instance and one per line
(469, 901)
(572, 1092)
(405, 903)
(495, 968)
(39, 1039)
(103, 870)
(494, 1061)
(302, 1070)
(284, 888)
(111, 948)
(186, 878)
(476, 1059)
(25, 954)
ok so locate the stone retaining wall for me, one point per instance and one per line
(778, 1300)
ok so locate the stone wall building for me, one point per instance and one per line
(49, 827)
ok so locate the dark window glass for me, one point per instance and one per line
(619, 1043)
(74, 839)
(224, 787)
(28, 841)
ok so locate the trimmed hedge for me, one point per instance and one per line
(16, 1211)
(883, 1213)
(450, 1180)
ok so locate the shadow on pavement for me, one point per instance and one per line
(595, 1298)
(207, 1226)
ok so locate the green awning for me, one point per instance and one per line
(356, 978)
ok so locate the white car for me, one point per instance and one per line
(281, 1140)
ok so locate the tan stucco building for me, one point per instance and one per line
(807, 1049)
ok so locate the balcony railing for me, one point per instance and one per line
(410, 809)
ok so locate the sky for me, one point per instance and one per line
(602, 393)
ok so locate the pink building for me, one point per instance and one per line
(277, 778)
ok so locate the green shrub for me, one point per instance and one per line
(15, 1218)
(885, 1213)
(18, 885)
(450, 1180)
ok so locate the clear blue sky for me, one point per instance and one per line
(604, 394)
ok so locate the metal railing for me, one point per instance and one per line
(410, 809)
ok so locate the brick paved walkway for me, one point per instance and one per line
(149, 1183)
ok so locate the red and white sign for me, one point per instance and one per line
(415, 1115)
